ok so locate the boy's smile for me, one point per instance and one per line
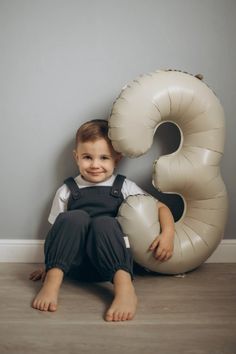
(96, 160)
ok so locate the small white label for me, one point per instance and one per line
(126, 241)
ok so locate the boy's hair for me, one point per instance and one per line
(92, 130)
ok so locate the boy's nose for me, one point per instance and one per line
(95, 163)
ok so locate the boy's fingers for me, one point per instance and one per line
(163, 258)
(163, 255)
(166, 257)
(160, 254)
(32, 275)
(154, 244)
(36, 275)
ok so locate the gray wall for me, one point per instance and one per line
(64, 62)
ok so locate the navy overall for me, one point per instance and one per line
(86, 241)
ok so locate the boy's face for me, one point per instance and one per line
(96, 160)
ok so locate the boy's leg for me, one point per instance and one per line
(64, 245)
(107, 251)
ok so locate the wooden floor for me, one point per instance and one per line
(193, 314)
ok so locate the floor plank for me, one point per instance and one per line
(192, 314)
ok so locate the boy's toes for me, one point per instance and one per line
(45, 306)
(125, 316)
(52, 307)
(42, 306)
(130, 316)
(109, 316)
(35, 304)
(117, 316)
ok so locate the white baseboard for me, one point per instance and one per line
(31, 251)
(21, 251)
(225, 252)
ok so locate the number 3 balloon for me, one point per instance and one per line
(192, 171)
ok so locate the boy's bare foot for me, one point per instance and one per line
(124, 304)
(46, 299)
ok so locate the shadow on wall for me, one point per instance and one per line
(168, 137)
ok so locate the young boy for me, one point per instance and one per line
(85, 236)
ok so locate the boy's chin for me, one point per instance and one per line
(97, 177)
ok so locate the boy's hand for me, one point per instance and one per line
(162, 247)
(38, 274)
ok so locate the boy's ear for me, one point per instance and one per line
(75, 154)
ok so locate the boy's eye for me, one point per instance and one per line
(105, 157)
(86, 157)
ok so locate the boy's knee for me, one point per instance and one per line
(104, 227)
(100, 221)
(74, 217)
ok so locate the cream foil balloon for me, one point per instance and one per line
(192, 171)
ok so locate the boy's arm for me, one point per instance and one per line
(163, 244)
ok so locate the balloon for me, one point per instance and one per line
(193, 171)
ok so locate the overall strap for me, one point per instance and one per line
(73, 187)
(117, 185)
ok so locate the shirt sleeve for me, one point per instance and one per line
(131, 188)
(59, 204)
